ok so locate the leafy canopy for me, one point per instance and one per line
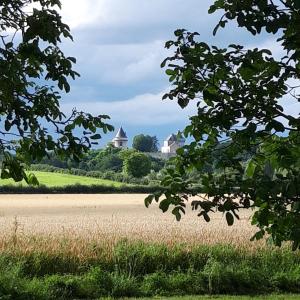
(33, 72)
(241, 96)
(145, 143)
(137, 164)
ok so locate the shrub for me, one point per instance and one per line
(78, 189)
(63, 287)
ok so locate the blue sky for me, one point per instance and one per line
(119, 45)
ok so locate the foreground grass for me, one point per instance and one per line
(147, 270)
(221, 297)
(50, 179)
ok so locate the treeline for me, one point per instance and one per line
(130, 162)
(129, 166)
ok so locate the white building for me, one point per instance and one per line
(172, 143)
(120, 140)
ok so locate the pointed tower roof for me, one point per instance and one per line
(121, 134)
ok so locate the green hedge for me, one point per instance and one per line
(150, 270)
(78, 189)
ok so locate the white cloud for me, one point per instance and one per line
(120, 13)
(80, 12)
(119, 64)
(131, 63)
(146, 109)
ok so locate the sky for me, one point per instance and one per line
(119, 45)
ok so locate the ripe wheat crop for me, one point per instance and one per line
(85, 225)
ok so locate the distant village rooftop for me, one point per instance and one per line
(171, 144)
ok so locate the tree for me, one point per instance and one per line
(29, 58)
(110, 162)
(137, 164)
(145, 143)
(240, 94)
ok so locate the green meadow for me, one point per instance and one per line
(50, 179)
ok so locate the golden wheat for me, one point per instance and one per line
(85, 225)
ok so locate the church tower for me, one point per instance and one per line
(120, 140)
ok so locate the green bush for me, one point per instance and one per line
(139, 269)
(99, 282)
(63, 287)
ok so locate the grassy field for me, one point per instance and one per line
(57, 179)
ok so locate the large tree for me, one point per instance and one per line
(137, 164)
(242, 95)
(145, 143)
(33, 71)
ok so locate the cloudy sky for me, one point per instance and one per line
(119, 45)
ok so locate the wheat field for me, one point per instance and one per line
(75, 222)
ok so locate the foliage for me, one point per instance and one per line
(239, 94)
(80, 189)
(106, 163)
(137, 269)
(157, 164)
(30, 34)
(110, 162)
(126, 153)
(137, 165)
(145, 143)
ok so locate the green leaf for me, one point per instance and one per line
(229, 219)
(32, 179)
(72, 59)
(176, 213)
(170, 72)
(9, 45)
(205, 216)
(212, 9)
(279, 127)
(7, 125)
(250, 169)
(164, 205)
(258, 235)
(148, 200)
(179, 32)
(95, 136)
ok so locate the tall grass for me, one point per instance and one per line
(37, 267)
